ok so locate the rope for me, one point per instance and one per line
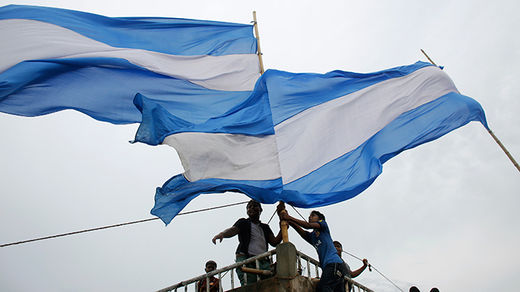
(115, 225)
(298, 213)
(371, 266)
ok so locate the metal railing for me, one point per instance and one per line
(353, 285)
(311, 268)
(220, 272)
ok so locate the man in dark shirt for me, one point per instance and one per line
(253, 237)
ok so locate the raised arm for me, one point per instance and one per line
(230, 232)
(301, 223)
(357, 272)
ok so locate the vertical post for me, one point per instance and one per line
(232, 280)
(284, 226)
(489, 131)
(259, 51)
(285, 230)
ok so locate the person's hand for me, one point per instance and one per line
(280, 207)
(218, 236)
(283, 215)
(365, 262)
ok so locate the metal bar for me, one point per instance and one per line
(220, 282)
(308, 268)
(257, 264)
(232, 279)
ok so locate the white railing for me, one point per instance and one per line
(309, 269)
(220, 272)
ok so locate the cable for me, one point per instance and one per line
(298, 213)
(371, 266)
(115, 225)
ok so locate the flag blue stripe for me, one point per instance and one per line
(104, 88)
(249, 116)
(177, 192)
(166, 35)
(290, 93)
(349, 175)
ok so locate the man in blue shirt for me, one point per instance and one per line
(331, 264)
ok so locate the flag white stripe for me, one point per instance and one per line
(325, 132)
(226, 156)
(32, 40)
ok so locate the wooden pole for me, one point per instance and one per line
(428, 57)
(259, 51)
(284, 226)
(504, 149)
(489, 130)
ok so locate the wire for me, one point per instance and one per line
(372, 266)
(115, 225)
(298, 213)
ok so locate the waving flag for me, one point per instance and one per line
(307, 139)
(54, 59)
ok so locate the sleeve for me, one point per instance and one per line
(240, 223)
(323, 226)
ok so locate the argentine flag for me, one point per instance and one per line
(55, 59)
(306, 139)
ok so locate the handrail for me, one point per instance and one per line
(224, 269)
(299, 254)
(358, 285)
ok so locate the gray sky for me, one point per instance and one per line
(443, 214)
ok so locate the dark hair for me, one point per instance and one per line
(317, 213)
(253, 202)
(335, 242)
(414, 289)
(211, 262)
(434, 290)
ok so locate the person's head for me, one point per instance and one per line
(434, 290)
(210, 266)
(414, 289)
(316, 216)
(338, 246)
(254, 209)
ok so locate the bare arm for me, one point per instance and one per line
(301, 223)
(275, 240)
(360, 270)
(230, 232)
(298, 229)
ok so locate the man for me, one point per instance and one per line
(350, 274)
(213, 282)
(253, 237)
(331, 264)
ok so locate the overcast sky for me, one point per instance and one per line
(444, 214)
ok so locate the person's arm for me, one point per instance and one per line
(230, 232)
(275, 240)
(298, 229)
(360, 270)
(301, 223)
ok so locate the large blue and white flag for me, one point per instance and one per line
(307, 139)
(54, 59)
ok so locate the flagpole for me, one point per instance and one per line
(489, 130)
(259, 51)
